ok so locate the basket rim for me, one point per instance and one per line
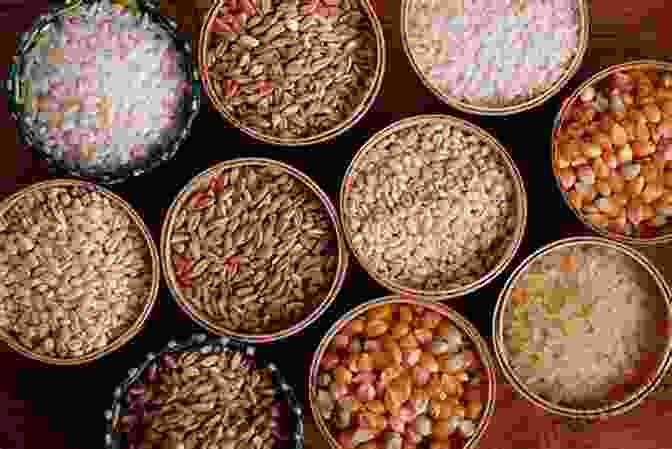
(198, 343)
(560, 119)
(584, 20)
(614, 408)
(521, 203)
(487, 360)
(192, 104)
(197, 316)
(356, 115)
(151, 297)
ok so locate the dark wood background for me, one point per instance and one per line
(63, 407)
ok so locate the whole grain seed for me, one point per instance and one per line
(78, 272)
(430, 207)
(198, 400)
(286, 63)
(272, 230)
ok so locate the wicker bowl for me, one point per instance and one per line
(203, 179)
(563, 116)
(520, 206)
(488, 365)
(617, 406)
(199, 343)
(355, 116)
(149, 301)
(19, 96)
(583, 11)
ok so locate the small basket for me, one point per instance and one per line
(324, 136)
(583, 11)
(18, 93)
(521, 207)
(132, 331)
(114, 438)
(462, 324)
(169, 272)
(559, 120)
(582, 415)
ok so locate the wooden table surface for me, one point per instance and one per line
(63, 407)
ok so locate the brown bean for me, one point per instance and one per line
(399, 330)
(621, 199)
(575, 199)
(598, 219)
(600, 168)
(356, 326)
(652, 113)
(652, 192)
(634, 188)
(667, 108)
(603, 187)
(667, 178)
(376, 328)
(342, 375)
(618, 134)
(405, 314)
(616, 183)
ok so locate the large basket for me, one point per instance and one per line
(520, 205)
(351, 121)
(583, 11)
(559, 120)
(617, 407)
(18, 94)
(462, 324)
(114, 438)
(148, 302)
(169, 272)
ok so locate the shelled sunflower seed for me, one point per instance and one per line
(254, 250)
(75, 271)
(193, 400)
(431, 206)
(290, 69)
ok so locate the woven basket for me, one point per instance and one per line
(114, 439)
(520, 194)
(462, 324)
(18, 95)
(149, 301)
(166, 251)
(664, 238)
(355, 116)
(583, 10)
(617, 407)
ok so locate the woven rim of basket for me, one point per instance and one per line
(149, 301)
(461, 323)
(501, 354)
(583, 11)
(199, 317)
(520, 200)
(352, 120)
(559, 120)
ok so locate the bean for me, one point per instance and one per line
(652, 113)
(598, 219)
(618, 135)
(635, 186)
(616, 183)
(641, 149)
(607, 206)
(592, 150)
(603, 188)
(667, 108)
(600, 168)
